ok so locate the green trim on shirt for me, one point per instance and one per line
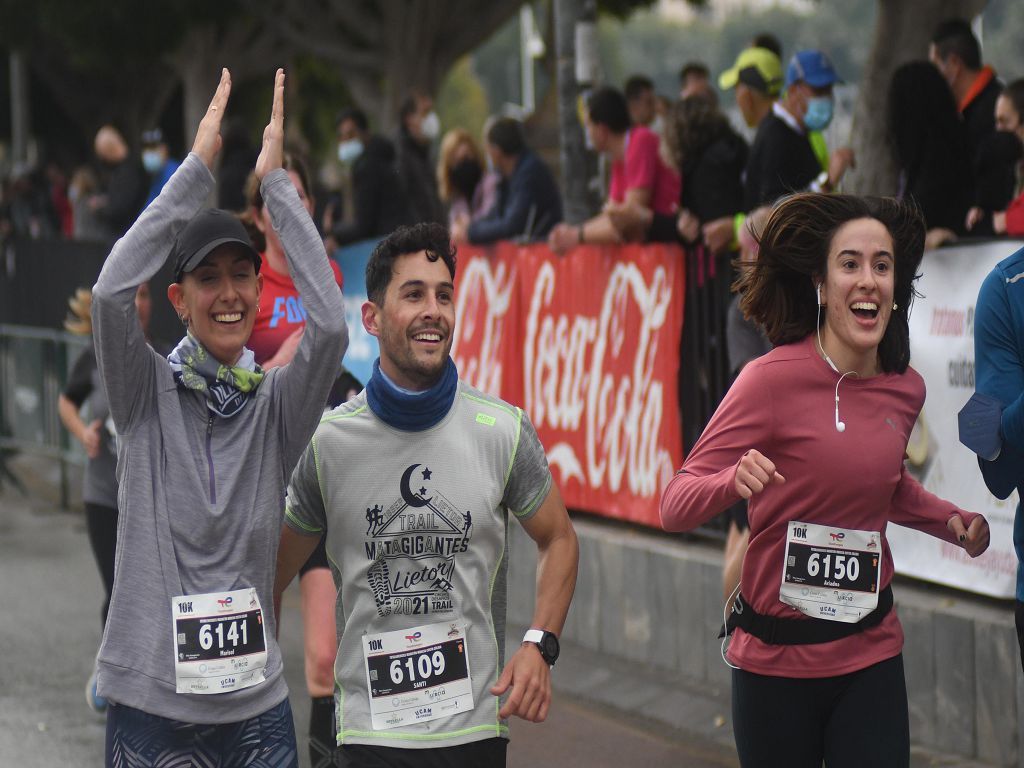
(302, 525)
(333, 416)
(490, 615)
(484, 401)
(499, 730)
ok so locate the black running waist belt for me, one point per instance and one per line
(777, 631)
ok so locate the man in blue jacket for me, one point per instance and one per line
(528, 203)
(999, 360)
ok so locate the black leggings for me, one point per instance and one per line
(849, 721)
(1019, 619)
(487, 753)
(101, 522)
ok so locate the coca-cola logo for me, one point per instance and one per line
(597, 374)
(481, 304)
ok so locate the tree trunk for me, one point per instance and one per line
(578, 166)
(903, 30)
(21, 116)
(246, 48)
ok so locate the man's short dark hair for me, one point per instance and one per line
(956, 36)
(427, 236)
(506, 133)
(637, 85)
(357, 116)
(606, 106)
(694, 69)
(769, 41)
(410, 104)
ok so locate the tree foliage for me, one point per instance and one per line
(387, 47)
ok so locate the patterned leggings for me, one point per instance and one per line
(136, 739)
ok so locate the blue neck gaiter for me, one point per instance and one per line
(416, 412)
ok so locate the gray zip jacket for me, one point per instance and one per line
(201, 498)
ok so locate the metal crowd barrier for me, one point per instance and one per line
(34, 364)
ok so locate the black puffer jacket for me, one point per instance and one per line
(379, 197)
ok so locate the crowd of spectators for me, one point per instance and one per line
(676, 170)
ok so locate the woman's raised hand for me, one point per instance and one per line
(208, 141)
(272, 155)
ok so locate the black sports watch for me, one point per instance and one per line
(546, 642)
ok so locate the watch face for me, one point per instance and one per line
(550, 647)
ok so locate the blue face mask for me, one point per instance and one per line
(152, 160)
(819, 113)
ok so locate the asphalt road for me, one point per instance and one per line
(50, 596)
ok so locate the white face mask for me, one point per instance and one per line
(349, 150)
(430, 126)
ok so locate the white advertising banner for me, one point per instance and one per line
(942, 351)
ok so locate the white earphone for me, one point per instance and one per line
(840, 426)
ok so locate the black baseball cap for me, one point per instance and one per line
(207, 230)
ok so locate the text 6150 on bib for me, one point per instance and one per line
(831, 573)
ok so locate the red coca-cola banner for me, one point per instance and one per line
(588, 345)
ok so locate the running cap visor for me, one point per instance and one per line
(758, 68)
(206, 231)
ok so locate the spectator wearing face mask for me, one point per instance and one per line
(782, 159)
(418, 127)
(466, 187)
(1009, 121)
(528, 204)
(930, 146)
(379, 202)
(157, 161)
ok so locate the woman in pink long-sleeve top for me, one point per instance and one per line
(814, 435)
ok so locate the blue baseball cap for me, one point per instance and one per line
(811, 67)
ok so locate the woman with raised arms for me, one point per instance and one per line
(189, 661)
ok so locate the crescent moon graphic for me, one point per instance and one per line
(407, 494)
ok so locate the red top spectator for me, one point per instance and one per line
(281, 312)
(642, 184)
(643, 168)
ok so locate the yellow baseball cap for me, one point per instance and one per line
(757, 67)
